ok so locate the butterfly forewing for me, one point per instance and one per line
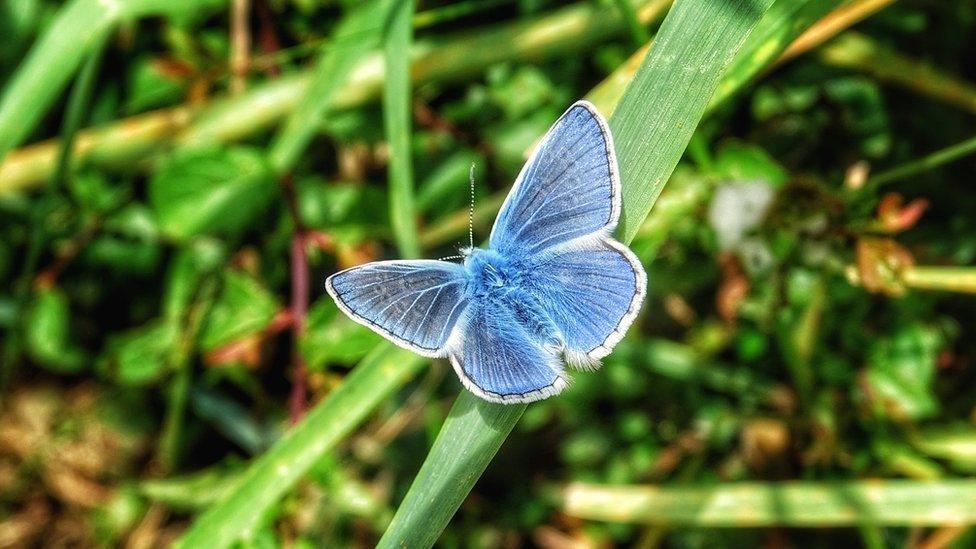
(567, 189)
(416, 304)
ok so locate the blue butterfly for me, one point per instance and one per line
(552, 285)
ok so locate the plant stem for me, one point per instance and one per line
(858, 52)
(924, 164)
(78, 104)
(172, 433)
(948, 279)
(756, 504)
(297, 403)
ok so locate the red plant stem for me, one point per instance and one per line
(298, 398)
(297, 401)
(266, 35)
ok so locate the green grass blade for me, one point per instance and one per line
(358, 33)
(924, 164)
(470, 437)
(77, 29)
(756, 504)
(396, 120)
(383, 371)
(129, 142)
(661, 108)
(651, 127)
(79, 103)
(946, 279)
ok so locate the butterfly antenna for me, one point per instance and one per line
(471, 208)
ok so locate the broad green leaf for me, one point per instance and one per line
(744, 162)
(203, 191)
(149, 87)
(335, 206)
(141, 356)
(47, 333)
(901, 369)
(330, 337)
(445, 187)
(243, 307)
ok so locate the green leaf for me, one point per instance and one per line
(954, 443)
(149, 87)
(213, 190)
(330, 206)
(189, 266)
(46, 333)
(193, 491)
(140, 356)
(744, 162)
(332, 338)
(233, 420)
(901, 369)
(243, 307)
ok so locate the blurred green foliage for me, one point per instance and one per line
(148, 328)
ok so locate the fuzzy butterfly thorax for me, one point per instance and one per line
(495, 278)
(492, 275)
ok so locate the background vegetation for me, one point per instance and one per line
(178, 178)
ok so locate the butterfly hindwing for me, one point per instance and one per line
(568, 189)
(592, 290)
(415, 304)
(498, 359)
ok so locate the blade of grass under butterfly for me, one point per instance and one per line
(651, 127)
(77, 28)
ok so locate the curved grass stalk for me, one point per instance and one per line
(133, 141)
(78, 28)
